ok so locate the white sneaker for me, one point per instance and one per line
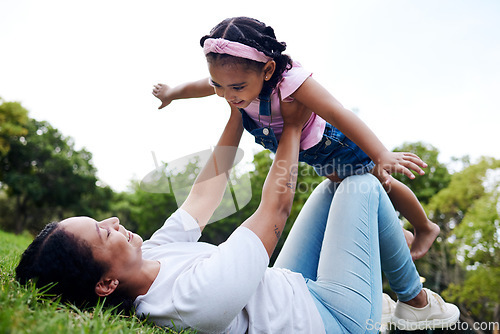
(388, 306)
(436, 314)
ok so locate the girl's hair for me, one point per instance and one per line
(56, 256)
(256, 34)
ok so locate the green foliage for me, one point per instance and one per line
(46, 178)
(464, 259)
(479, 233)
(13, 119)
(478, 293)
(465, 187)
(24, 309)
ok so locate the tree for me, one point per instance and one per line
(46, 177)
(13, 119)
(436, 175)
(475, 198)
(464, 259)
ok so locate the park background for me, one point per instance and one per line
(423, 75)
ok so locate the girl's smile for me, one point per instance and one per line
(235, 82)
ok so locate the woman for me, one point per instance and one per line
(327, 278)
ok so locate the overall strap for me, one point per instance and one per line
(265, 101)
(263, 135)
(248, 123)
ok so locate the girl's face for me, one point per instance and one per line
(238, 83)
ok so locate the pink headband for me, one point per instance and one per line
(223, 46)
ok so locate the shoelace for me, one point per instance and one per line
(439, 299)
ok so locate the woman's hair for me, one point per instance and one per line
(256, 34)
(56, 256)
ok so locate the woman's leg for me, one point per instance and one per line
(396, 260)
(302, 247)
(348, 281)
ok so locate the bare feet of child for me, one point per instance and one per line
(408, 237)
(423, 240)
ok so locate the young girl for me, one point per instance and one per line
(248, 69)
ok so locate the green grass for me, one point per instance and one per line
(24, 309)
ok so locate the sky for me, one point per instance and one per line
(413, 70)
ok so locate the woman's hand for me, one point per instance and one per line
(399, 162)
(162, 92)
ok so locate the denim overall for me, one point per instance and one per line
(335, 153)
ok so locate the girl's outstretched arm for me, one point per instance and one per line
(319, 100)
(167, 94)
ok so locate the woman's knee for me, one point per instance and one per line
(360, 184)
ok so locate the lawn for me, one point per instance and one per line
(23, 309)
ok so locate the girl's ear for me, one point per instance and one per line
(269, 69)
(105, 287)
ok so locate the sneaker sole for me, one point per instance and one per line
(425, 324)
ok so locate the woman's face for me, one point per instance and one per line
(237, 83)
(110, 242)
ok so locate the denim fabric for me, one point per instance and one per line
(265, 101)
(340, 244)
(335, 153)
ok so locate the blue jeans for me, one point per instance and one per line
(341, 244)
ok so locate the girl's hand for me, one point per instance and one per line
(399, 162)
(294, 113)
(162, 92)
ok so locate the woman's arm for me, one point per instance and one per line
(209, 187)
(167, 94)
(279, 188)
(210, 294)
(319, 100)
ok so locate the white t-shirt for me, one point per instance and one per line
(222, 289)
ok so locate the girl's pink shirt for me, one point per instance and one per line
(292, 80)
